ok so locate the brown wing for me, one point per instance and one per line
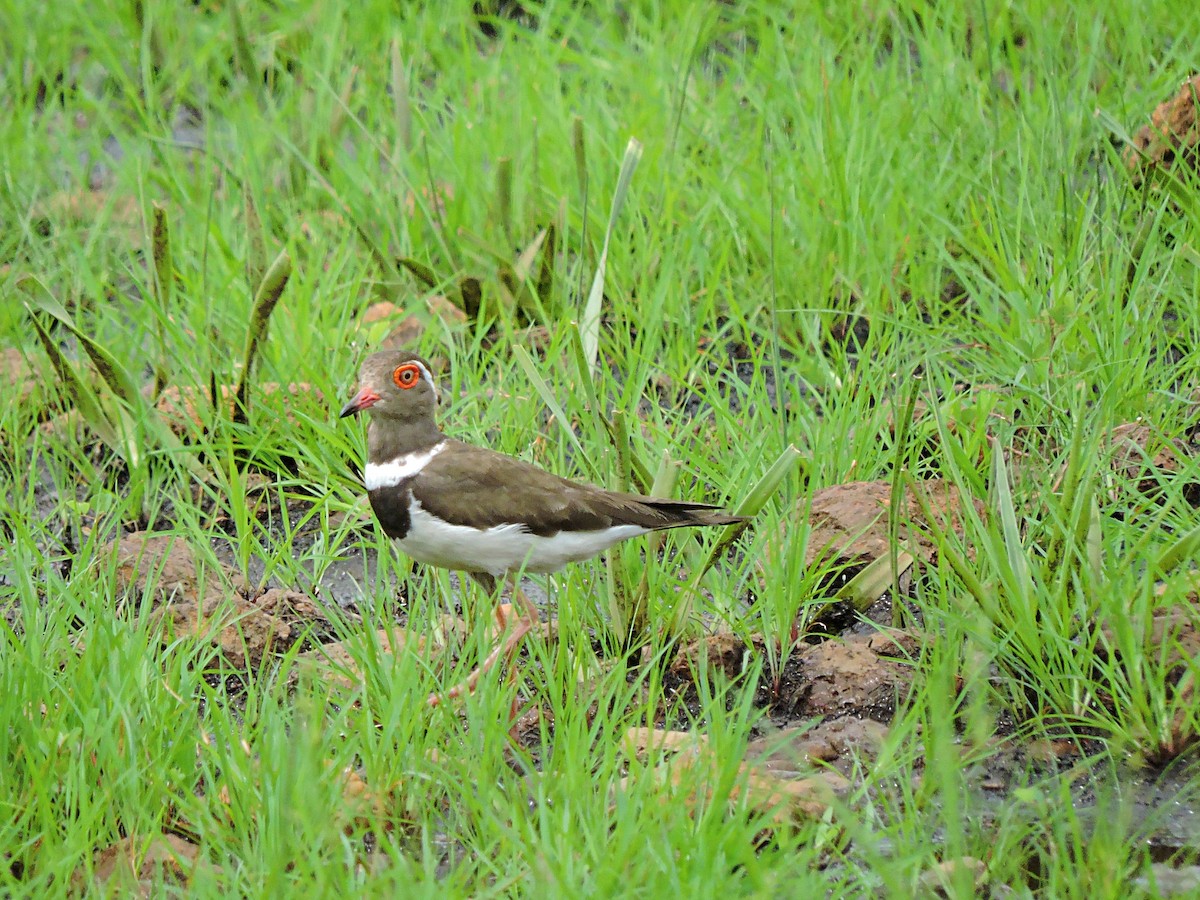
(488, 488)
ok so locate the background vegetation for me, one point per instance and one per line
(900, 238)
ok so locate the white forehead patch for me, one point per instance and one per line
(391, 473)
(430, 380)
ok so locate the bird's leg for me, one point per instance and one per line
(527, 607)
(506, 649)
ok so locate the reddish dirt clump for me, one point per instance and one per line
(1171, 138)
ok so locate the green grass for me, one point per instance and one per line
(803, 167)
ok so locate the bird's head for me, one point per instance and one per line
(395, 384)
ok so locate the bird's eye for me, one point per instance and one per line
(406, 375)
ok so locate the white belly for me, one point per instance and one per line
(502, 548)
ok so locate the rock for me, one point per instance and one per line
(338, 662)
(850, 521)
(189, 407)
(22, 384)
(242, 631)
(691, 763)
(843, 677)
(832, 678)
(1143, 457)
(795, 750)
(896, 644)
(189, 600)
(137, 867)
(943, 879)
(1170, 140)
(410, 329)
(1172, 641)
(1165, 880)
(164, 565)
(723, 652)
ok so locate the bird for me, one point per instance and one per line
(468, 508)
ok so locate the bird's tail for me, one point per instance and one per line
(684, 514)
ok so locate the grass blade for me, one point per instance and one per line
(256, 248)
(81, 395)
(580, 149)
(504, 195)
(401, 103)
(575, 339)
(164, 287)
(752, 504)
(110, 370)
(539, 384)
(589, 323)
(545, 279)
(160, 251)
(527, 300)
(984, 595)
(633, 469)
(243, 53)
(634, 622)
(1008, 518)
(524, 264)
(620, 433)
(121, 436)
(874, 580)
(420, 271)
(265, 299)
(899, 467)
(1182, 550)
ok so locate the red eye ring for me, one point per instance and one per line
(407, 375)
